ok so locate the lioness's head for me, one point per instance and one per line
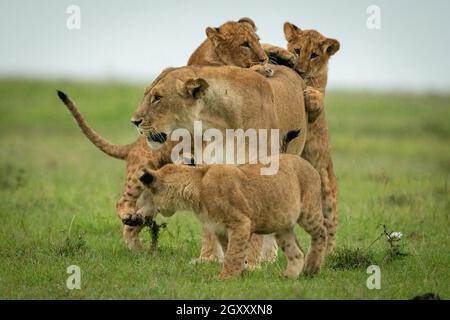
(312, 49)
(237, 44)
(170, 102)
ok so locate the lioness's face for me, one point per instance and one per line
(171, 102)
(237, 44)
(312, 50)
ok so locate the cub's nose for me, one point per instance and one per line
(262, 60)
(136, 122)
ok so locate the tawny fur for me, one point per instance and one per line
(234, 202)
(313, 51)
(221, 97)
(232, 36)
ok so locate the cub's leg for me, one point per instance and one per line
(313, 222)
(126, 206)
(294, 254)
(280, 56)
(131, 237)
(329, 210)
(238, 235)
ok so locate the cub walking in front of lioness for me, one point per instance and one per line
(234, 202)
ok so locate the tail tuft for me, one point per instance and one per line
(64, 98)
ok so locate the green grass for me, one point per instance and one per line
(392, 158)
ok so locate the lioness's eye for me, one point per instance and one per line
(245, 45)
(297, 50)
(314, 55)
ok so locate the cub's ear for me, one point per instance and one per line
(290, 31)
(194, 88)
(147, 178)
(214, 35)
(331, 46)
(249, 21)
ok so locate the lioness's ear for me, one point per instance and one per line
(331, 46)
(194, 88)
(147, 178)
(290, 31)
(249, 21)
(214, 35)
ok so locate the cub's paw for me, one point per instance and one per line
(311, 269)
(133, 220)
(313, 100)
(263, 70)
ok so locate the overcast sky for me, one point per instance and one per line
(134, 40)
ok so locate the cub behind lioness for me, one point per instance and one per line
(234, 202)
(310, 52)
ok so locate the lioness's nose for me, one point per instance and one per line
(136, 122)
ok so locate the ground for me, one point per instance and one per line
(392, 159)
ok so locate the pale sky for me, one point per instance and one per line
(133, 40)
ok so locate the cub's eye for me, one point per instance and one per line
(314, 55)
(245, 45)
(156, 98)
(297, 50)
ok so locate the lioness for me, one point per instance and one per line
(234, 202)
(243, 50)
(220, 97)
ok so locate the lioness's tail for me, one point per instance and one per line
(116, 151)
(291, 135)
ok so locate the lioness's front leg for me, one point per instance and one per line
(211, 249)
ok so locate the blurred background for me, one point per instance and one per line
(134, 40)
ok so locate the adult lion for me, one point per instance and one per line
(233, 43)
(222, 98)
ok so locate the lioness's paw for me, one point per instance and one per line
(133, 220)
(205, 260)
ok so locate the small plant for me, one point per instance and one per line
(396, 247)
(154, 228)
(71, 245)
(350, 258)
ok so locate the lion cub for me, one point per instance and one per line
(234, 202)
(313, 50)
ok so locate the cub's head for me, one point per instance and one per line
(312, 49)
(172, 101)
(237, 44)
(170, 186)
